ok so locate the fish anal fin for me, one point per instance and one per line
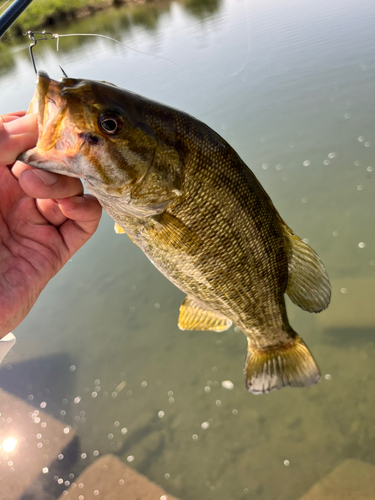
(308, 283)
(271, 369)
(194, 317)
(172, 232)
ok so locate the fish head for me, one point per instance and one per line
(106, 136)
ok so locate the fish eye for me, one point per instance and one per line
(110, 124)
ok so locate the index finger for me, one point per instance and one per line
(17, 134)
(12, 116)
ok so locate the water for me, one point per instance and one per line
(291, 86)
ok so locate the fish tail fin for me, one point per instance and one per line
(274, 368)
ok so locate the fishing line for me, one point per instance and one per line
(48, 35)
(4, 4)
(248, 37)
(57, 36)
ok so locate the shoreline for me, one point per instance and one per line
(46, 13)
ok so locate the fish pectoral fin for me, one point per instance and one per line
(118, 229)
(270, 369)
(174, 233)
(194, 317)
(308, 284)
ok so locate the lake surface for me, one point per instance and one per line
(291, 86)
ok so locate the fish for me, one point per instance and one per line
(189, 202)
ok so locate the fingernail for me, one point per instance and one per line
(48, 178)
(78, 200)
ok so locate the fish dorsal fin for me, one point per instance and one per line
(270, 369)
(308, 283)
(118, 229)
(194, 317)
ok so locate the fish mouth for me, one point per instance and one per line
(59, 141)
(47, 101)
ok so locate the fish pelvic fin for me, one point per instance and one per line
(274, 368)
(118, 229)
(308, 284)
(194, 317)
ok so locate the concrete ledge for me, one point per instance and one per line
(110, 479)
(352, 480)
(30, 442)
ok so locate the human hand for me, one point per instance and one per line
(44, 219)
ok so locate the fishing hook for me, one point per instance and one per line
(46, 35)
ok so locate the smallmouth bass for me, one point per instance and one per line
(186, 198)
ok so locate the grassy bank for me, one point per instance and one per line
(42, 14)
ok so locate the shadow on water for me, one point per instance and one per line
(46, 381)
(150, 436)
(50, 379)
(149, 443)
(350, 336)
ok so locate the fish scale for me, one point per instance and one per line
(186, 198)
